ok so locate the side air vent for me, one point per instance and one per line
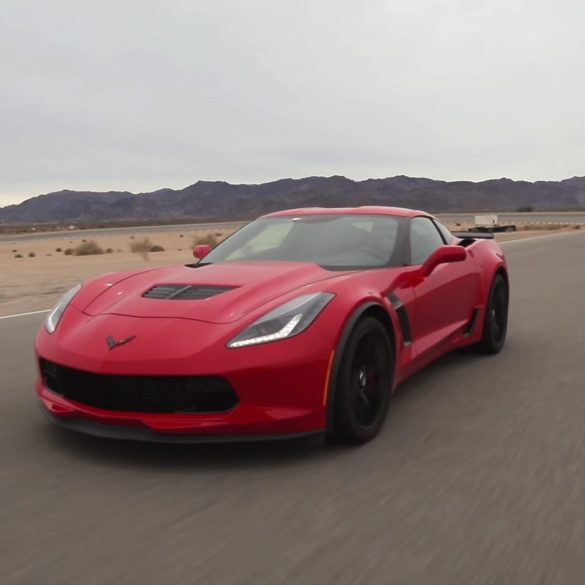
(184, 292)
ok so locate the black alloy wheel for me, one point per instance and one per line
(364, 383)
(496, 317)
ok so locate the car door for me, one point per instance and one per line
(446, 299)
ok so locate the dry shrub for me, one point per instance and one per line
(141, 246)
(90, 248)
(156, 248)
(68, 252)
(539, 227)
(577, 227)
(18, 255)
(31, 254)
(208, 238)
(58, 250)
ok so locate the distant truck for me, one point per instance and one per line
(489, 223)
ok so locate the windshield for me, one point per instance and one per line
(333, 241)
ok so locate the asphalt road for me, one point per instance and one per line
(477, 477)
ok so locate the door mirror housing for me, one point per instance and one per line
(443, 255)
(201, 251)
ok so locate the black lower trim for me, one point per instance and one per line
(108, 431)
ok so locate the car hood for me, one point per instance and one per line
(240, 287)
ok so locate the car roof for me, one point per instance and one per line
(364, 210)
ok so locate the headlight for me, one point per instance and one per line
(287, 320)
(55, 315)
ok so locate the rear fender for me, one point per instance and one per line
(491, 261)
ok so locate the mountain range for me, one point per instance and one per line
(221, 200)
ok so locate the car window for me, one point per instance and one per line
(424, 239)
(447, 235)
(271, 236)
(335, 241)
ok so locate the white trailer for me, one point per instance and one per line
(488, 222)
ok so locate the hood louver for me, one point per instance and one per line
(183, 292)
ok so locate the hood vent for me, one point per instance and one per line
(184, 292)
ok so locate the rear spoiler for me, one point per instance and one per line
(474, 235)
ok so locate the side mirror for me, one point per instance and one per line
(201, 251)
(443, 255)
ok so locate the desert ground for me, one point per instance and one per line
(35, 283)
(31, 283)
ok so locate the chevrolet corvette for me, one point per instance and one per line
(301, 323)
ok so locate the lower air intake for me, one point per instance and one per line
(164, 394)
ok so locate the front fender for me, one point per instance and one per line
(370, 306)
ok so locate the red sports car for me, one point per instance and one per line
(302, 322)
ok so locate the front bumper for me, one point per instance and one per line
(281, 386)
(244, 420)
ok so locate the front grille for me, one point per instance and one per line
(183, 394)
(183, 292)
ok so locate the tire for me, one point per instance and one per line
(364, 383)
(495, 324)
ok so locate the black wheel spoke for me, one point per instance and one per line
(363, 397)
(367, 383)
(362, 411)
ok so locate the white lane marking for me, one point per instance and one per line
(515, 241)
(24, 314)
(539, 236)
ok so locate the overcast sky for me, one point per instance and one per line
(143, 94)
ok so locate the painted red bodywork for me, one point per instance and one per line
(283, 386)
